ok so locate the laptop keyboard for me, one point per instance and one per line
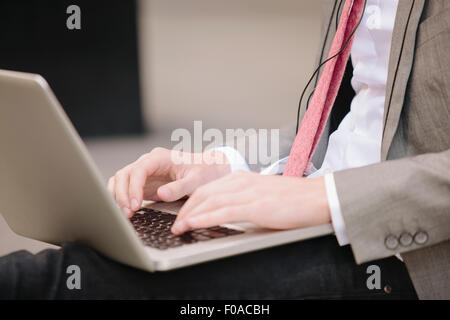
(153, 227)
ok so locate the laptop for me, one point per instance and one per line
(51, 190)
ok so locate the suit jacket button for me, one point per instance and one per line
(406, 239)
(421, 237)
(391, 242)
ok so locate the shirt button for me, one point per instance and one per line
(406, 239)
(391, 242)
(421, 237)
(327, 171)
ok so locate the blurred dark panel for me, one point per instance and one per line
(93, 71)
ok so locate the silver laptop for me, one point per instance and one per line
(50, 190)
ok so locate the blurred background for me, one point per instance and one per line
(139, 69)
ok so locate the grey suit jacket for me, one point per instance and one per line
(402, 205)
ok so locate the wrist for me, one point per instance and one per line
(321, 199)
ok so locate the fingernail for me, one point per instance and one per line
(178, 226)
(134, 204)
(127, 211)
(165, 192)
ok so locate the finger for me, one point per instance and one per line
(215, 202)
(220, 186)
(122, 182)
(212, 204)
(214, 218)
(142, 177)
(177, 189)
(111, 187)
(138, 177)
(192, 202)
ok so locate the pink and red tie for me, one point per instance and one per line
(316, 116)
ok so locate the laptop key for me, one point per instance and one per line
(153, 227)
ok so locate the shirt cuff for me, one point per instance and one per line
(337, 219)
(235, 159)
(275, 168)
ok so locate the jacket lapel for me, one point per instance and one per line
(400, 64)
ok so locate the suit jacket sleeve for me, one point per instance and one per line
(393, 198)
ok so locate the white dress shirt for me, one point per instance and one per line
(357, 140)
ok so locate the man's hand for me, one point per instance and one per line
(275, 202)
(165, 175)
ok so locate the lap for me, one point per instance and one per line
(316, 268)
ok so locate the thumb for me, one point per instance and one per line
(176, 190)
